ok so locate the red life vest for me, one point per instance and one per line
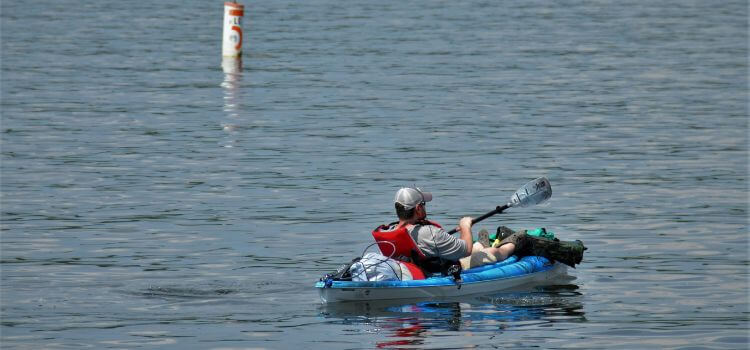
(406, 249)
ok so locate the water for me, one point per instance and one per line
(149, 200)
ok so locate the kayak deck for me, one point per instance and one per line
(509, 273)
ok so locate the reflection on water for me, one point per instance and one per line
(232, 67)
(412, 322)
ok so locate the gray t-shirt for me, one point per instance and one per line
(435, 242)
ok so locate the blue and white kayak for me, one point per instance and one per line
(506, 274)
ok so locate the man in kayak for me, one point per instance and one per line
(415, 239)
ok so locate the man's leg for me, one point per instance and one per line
(483, 256)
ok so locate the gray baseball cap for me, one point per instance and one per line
(410, 197)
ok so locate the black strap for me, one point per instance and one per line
(455, 271)
(342, 273)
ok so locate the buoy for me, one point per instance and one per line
(232, 43)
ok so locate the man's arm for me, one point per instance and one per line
(464, 227)
(436, 242)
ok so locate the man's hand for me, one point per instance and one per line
(465, 224)
(464, 227)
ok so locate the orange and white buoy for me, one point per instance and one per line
(232, 43)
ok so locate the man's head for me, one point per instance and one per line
(410, 201)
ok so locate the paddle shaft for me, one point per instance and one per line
(497, 210)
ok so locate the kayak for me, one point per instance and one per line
(509, 273)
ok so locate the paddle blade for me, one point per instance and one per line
(532, 193)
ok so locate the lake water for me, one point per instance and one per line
(151, 200)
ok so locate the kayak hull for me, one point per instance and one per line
(510, 273)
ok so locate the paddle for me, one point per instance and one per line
(532, 193)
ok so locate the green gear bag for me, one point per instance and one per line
(542, 243)
(567, 252)
(541, 233)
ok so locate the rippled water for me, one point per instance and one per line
(151, 200)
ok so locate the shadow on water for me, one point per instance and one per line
(410, 322)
